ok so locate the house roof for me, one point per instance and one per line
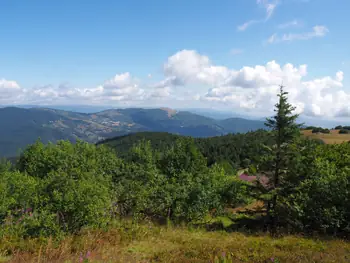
(264, 180)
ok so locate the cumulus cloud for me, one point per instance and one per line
(120, 87)
(10, 91)
(317, 31)
(189, 67)
(269, 6)
(161, 92)
(255, 88)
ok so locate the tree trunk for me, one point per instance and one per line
(267, 220)
(273, 214)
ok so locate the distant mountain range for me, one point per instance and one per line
(23, 126)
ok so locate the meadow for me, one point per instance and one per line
(127, 242)
(332, 138)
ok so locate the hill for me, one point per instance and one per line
(23, 126)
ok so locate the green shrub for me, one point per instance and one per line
(65, 186)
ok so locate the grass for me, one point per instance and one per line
(150, 243)
(332, 138)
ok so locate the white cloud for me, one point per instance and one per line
(293, 23)
(255, 88)
(269, 6)
(161, 92)
(189, 67)
(194, 78)
(247, 24)
(317, 31)
(10, 91)
(121, 87)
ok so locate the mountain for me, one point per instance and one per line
(23, 126)
(239, 125)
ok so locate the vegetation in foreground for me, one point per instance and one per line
(57, 191)
(127, 242)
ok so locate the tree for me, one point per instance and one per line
(4, 166)
(285, 131)
(317, 198)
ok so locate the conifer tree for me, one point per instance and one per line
(285, 131)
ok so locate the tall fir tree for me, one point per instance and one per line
(285, 131)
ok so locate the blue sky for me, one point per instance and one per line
(119, 53)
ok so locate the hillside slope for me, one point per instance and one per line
(20, 127)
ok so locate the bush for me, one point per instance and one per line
(176, 185)
(319, 199)
(320, 130)
(59, 188)
(344, 131)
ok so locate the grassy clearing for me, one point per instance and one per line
(150, 243)
(332, 138)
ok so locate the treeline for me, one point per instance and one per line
(60, 188)
(339, 127)
(233, 151)
(315, 129)
(343, 129)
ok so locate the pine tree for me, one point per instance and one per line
(285, 131)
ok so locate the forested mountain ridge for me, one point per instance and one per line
(20, 127)
(233, 150)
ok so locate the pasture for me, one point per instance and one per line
(332, 138)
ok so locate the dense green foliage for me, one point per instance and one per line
(317, 129)
(340, 127)
(232, 151)
(320, 130)
(318, 195)
(58, 188)
(64, 187)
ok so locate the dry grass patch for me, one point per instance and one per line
(149, 243)
(332, 138)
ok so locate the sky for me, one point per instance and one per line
(228, 55)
